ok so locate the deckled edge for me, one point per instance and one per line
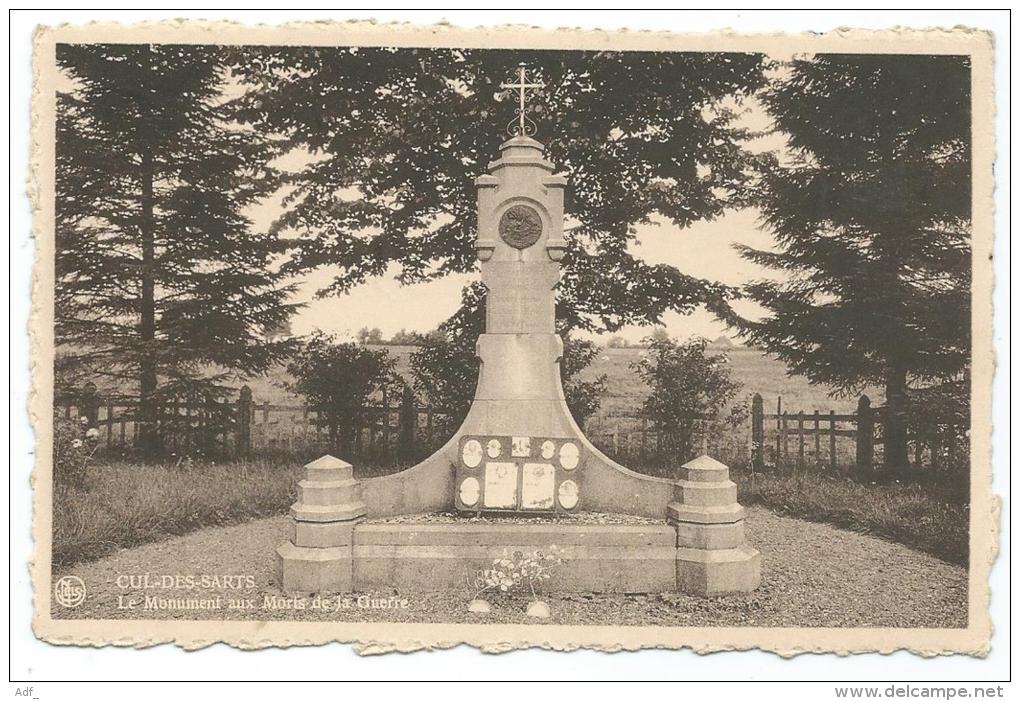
(978, 43)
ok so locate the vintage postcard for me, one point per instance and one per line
(414, 336)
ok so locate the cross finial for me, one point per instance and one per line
(521, 125)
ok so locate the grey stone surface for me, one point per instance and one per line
(534, 536)
(585, 568)
(331, 534)
(717, 572)
(713, 556)
(314, 570)
(710, 536)
(318, 557)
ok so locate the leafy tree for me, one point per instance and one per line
(688, 391)
(398, 136)
(445, 368)
(872, 219)
(340, 382)
(583, 396)
(159, 274)
(367, 336)
(617, 342)
(659, 334)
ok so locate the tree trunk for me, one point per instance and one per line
(895, 420)
(148, 438)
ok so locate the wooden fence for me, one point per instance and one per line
(397, 428)
(238, 426)
(804, 440)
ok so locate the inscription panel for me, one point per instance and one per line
(538, 486)
(500, 485)
(518, 473)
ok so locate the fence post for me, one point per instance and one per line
(109, 425)
(786, 441)
(757, 434)
(800, 440)
(865, 436)
(832, 440)
(244, 414)
(408, 425)
(90, 404)
(779, 447)
(818, 440)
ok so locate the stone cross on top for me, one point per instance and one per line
(521, 128)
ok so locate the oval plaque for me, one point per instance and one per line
(520, 226)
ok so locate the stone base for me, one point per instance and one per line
(606, 558)
(715, 572)
(429, 557)
(314, 570)
(596, 558)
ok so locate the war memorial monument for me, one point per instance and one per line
(519, 467)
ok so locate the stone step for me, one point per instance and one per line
(533, 536)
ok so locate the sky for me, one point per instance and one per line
(704, 250)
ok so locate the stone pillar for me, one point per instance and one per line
(713, 555)
(319, 555)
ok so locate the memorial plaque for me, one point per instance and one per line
(538, 486)
(472, 453)
(569, 456)
(500, 485)
(548, 449)
(469, 491)
(520, 226)
(568, 494)
(521, 447)
(517, 473)
(493, 448)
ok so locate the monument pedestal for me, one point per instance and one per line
(712, 556)
(699, 548)
(320, 553)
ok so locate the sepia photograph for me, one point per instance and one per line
(410, 336)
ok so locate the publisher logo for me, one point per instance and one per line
(69, 591)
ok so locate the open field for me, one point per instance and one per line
(756, 371)
(280, 421)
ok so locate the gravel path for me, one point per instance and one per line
(813, 575)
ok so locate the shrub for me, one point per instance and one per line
(74, 445)
(339, 382)
(689, 391)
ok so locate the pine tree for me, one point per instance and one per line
(871, 215)
(398, 136)
(162, 282)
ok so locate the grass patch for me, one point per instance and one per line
(128, 504)
(922, 516)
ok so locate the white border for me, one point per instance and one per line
(31, 659)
